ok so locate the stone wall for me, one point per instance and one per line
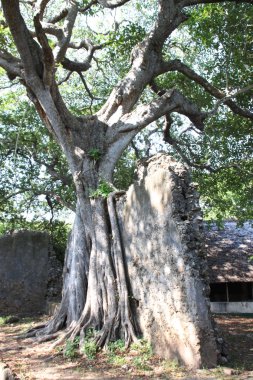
(29, 274)
(161, 226)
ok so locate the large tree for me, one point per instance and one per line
(48, 38)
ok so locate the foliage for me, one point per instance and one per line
(118, 354)
(58, 231)
(5, 35)
(33, 171)
(208, 41)
(221, 158)
(226, 195)
(34, 182)
(144, 350)
(116, 346)
(124, 171)
(215, 27)
(141, 362)
(123, 41)
(71, 348)
(3, 320)
(117, 360)
(103, 190)
(95, 154)
(142, 346)
(89, 347)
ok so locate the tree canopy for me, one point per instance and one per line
(209, 41)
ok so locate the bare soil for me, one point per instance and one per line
(30, 360)
(238, 333)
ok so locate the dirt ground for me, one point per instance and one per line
(30, 360)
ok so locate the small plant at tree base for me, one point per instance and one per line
(144, 351)
(10, 319)
(171, 365)
(117, 360)
(115, 351)
(89, 347)
(141, 362)
(94, 154)
(142, 346)
(103, 190)
(71, 349)
(117, 346)
(3, 320)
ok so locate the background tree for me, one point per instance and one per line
(49, 44)
(35, 185)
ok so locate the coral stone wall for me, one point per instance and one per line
(29, 274)
(161, 227)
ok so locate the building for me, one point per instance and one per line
(230, 262)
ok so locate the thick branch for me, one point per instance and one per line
(68, 28)
(10, 64)
(112, 3)
(53, 30)
(48, 58)
(65, 43)
(146, 58)
(88, 6)
(41, 6)
(75, 66)
(177, 65)
(187, 3)
(85, 43)
(28, 49)
(228, 98)
(63, 13)
(171, 101)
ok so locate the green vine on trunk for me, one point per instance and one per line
(95, 154)
(103, 190)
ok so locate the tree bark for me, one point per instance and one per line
(75, 280)
(95, 291)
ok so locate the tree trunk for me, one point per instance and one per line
(75, 274)
(95, 292)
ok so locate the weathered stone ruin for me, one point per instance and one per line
(161, 225)
(30, 274)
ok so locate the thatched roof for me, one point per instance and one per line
(228, 253)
